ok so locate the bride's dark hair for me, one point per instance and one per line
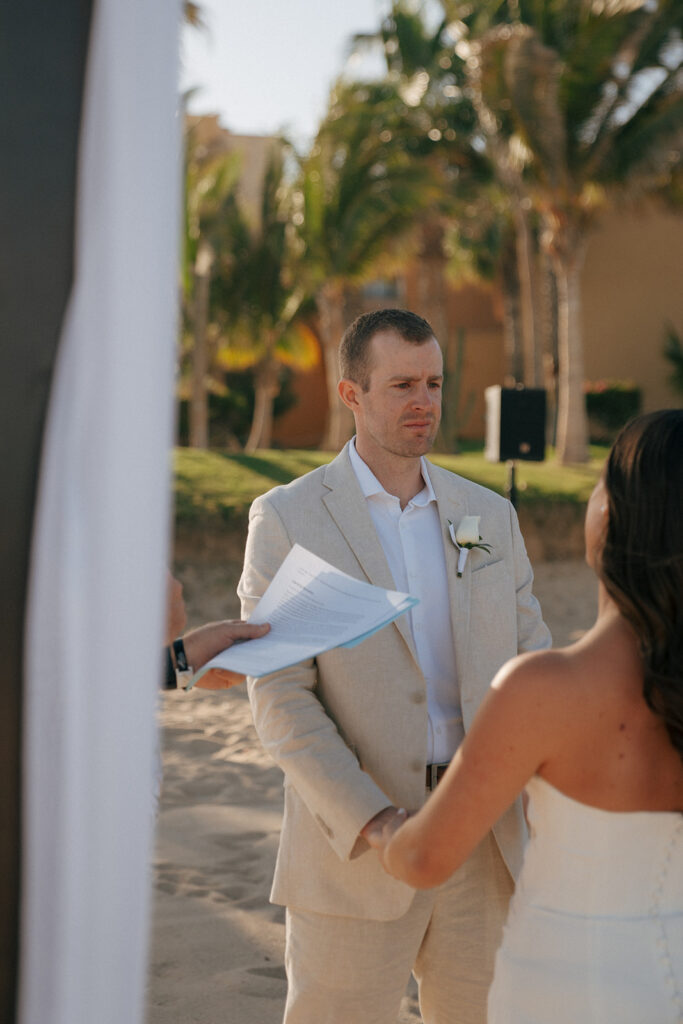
(641, 563)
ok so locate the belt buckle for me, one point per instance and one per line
(434, 770)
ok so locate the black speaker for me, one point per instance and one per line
(515, 424)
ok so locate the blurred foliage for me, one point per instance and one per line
(255, 299)
(358, 195)
(610, 404)
(231, 409)
(673, 352)
(581, 105)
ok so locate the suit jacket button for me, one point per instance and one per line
(419, 697)
(418, 766)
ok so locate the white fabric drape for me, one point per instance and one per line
(94, 621)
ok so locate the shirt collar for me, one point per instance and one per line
(370, 485)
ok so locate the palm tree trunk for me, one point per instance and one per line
(265, 392)
(433, 307)
(527, 272)
(512, 316)
(572, 422)
(199, 405)
(330, 303)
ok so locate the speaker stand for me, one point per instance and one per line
(510, 484)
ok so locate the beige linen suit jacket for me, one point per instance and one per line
(349, 729)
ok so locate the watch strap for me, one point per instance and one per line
(180, 655)
(184, 672)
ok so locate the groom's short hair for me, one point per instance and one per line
(354, 350)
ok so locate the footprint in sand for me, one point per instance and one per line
(269, 972)
(231, 892)
(200, 747)
(255, 902)
(182, 882)
(263, 982)
(202, 786)
(276, 913)
(239, 838)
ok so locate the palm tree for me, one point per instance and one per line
(244, 295)
(210, 183)
(357, 196)
(594, 96)
(430, 65)
(258, 287)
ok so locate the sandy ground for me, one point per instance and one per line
(217, 944)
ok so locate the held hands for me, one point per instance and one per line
(379, 830)
(206, 641)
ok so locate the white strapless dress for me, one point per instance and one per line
(595, 929)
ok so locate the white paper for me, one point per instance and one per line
(311, 607)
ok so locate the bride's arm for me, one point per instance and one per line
(518, 727)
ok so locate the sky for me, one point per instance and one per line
(266, 66)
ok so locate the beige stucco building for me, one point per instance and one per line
(632, 286)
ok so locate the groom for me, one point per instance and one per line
(359, 732)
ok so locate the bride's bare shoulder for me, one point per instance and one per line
(537, 668)
(553, 681)
(601, 669)
(533, 698)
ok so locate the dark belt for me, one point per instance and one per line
(434, 774)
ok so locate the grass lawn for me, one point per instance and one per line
(215, 485)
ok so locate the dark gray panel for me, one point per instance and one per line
(43, 49)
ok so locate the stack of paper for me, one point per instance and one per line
(311, 607)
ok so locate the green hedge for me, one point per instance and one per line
(610, 404)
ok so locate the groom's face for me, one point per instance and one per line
(400, 411)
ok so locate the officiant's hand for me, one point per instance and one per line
(206, 641)
(176, 616)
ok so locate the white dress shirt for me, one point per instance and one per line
(413, 544)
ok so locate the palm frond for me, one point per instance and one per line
(649, 145)
(532, 75)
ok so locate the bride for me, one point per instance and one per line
(594, 732)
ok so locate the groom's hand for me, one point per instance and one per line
(379, 830)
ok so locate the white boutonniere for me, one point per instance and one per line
(465, 538)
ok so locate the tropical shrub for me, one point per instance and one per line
(609, 405)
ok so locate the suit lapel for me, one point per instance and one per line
(347, 506)
(452, 506)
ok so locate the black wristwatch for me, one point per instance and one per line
(183, 671)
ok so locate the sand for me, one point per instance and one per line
(217, 943)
